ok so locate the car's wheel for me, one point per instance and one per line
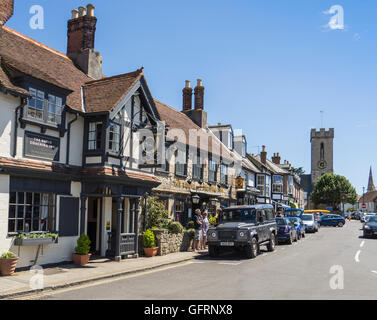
(252, 249)
(365, 235)
(213, 251)
(271, 243)
(340, 224)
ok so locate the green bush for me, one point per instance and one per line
(83, 245)
(149, 240)
(190, 225)
(156, 213)
(213, 220)
(175, 227)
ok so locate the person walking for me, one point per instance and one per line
(205, 229)
(198, 226)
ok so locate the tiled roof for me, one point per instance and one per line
(6, 83)
(104, 94)
(175, 119)
(272, 166)
(249, 165)
(40, 61)
(368, 197)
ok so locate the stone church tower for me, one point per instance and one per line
(322, 153)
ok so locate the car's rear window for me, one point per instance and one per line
(307, 217)
(281, 222)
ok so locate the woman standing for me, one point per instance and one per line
(205, 229)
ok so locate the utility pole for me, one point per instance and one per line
(362, 209)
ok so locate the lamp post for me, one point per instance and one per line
(363, 200)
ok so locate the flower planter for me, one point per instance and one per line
(150, 252)
(7, 266)
(81, 259)
(33, 242)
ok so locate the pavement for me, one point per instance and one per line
(69, 275)
(334, 264)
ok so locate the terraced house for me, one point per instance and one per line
(70, 144)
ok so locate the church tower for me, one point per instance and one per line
(371, 186)
(322, 142)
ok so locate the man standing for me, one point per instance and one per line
(198, 226)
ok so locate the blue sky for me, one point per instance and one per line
(269, 67)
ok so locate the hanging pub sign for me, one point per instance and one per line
(41, 146)
(239, 182)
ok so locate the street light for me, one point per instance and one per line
(195, 199)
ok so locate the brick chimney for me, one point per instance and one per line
(276, 158)
(80, 46)
(6, 10)
(263, 155)
(199, 95)
(197, 115)
(187, 97)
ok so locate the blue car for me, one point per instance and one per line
(300, 227)
(287, 231)
(334, 220)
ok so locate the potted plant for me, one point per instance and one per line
(8, 262)
(149, 242)
(35, 239)
(81, 256)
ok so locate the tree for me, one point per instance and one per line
(299, 171)
(330, 188)
(157, 215)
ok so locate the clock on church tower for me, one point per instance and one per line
(322, 152)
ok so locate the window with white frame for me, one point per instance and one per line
(31, 212)
(95, 135)
(114, 137)
(44, 107)
(224, 174)
(261, 184)
(290, 185)
(268, 186)
(277, 184)
(212, 171)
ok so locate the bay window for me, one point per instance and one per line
(114, 137)
(94, 135)
(44, 107)
(290, 185)
(261, 184)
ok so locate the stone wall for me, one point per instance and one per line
(169, 243)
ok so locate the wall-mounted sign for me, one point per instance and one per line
(239, 182)
(41, 146)
(108, 225)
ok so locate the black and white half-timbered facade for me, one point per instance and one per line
(70, 146)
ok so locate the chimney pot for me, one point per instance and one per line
(199, 82)
(199, 95)
(188, 84)
(187, 97)
(90, 10)
(82, 11)
(75, 14)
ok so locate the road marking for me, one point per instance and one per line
(374, 271)
(362, 244)
(231, 263)
(357, 256)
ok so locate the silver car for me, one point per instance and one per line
(310, 222)
(365, 217)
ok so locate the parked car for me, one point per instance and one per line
(300, 227)
(287, 231)
(243, 228)
(367, 216)
(310, 223)
(370, 227)
(334, 220)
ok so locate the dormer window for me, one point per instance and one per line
(44, 107)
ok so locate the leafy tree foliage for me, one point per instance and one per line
(299, 171)
(157, 215)
(330, 188)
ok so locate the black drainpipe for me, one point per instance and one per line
(69, 138)
(23, 103)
